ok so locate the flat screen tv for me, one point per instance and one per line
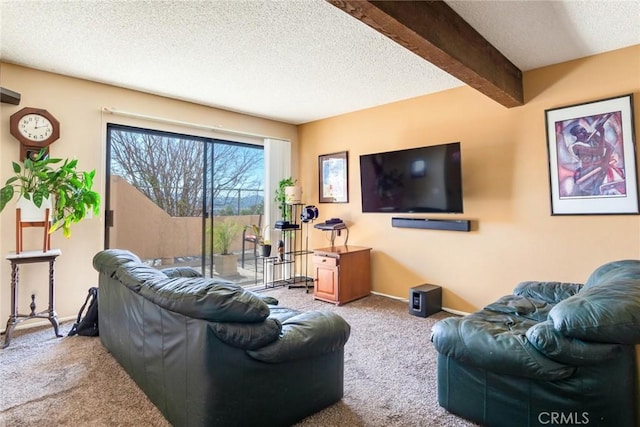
(424, 179)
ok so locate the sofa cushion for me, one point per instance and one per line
(495, 342)
(183, 271)
(608, 312)
(282, 313)
(551, 292)
(553, 344)
(205, 298)
(530, 308)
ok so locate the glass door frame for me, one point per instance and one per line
(208, 187)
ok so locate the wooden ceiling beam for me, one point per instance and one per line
(435, 32)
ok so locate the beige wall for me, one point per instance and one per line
(506, 186)
(78, 104)
(504, 164)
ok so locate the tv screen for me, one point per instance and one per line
(424, 179)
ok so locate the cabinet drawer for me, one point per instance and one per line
(325, 260)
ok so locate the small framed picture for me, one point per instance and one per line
(592, 158)
(333, 177)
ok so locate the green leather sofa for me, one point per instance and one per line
(209, 353)
(550, 354)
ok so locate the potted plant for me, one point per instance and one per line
(40, 178)
(281, 196)
(224, 232)
(262, 239)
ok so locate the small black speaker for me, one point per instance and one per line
(425, 300)
(309, 213)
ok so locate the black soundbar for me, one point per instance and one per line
(434, 224)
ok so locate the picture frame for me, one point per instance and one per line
(592, 158)
(333, 177)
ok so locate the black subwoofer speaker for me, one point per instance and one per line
(425, 300)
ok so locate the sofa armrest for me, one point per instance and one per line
(269, 300)
(306, 335)
(607, 313)
(551, 292)
(553, 344)
(247, 336)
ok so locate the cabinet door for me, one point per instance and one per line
(327, 285)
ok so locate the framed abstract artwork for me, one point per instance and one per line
(592, 158)
(333, 177)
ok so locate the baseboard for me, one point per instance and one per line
(390, 296)
(40, 322)
(448, 310)
(457, 312)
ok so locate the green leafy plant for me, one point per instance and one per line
(40, 178)
(223, 234)
(280, 196)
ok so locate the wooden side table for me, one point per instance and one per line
(30, 257)
(343, 273)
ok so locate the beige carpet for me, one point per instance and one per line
(390, 374)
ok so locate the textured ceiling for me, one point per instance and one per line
(292, 61)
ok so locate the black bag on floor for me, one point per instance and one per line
(87, 325)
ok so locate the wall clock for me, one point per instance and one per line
(35, 128)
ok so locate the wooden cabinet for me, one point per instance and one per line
(342, 273)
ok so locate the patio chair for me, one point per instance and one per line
(249, 237)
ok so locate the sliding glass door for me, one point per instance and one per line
(171, 197)
(233, 202)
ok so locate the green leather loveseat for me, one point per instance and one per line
(209, 353)
(550, 354)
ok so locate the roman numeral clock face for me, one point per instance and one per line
(35, 128)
